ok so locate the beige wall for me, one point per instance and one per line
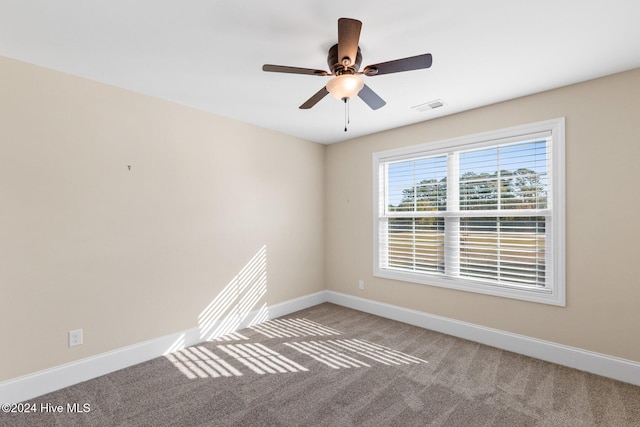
(131, 255)
(602, 161)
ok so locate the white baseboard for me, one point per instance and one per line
(297, 304)
(42, 382)
(38, 383)
(596, 363)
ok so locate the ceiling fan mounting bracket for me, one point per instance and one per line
(338, 67)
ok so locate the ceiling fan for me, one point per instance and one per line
(344, 61)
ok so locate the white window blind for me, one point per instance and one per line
(480, 213)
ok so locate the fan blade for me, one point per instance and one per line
(348, 38)
(405, 64)
(314, 99)
(293, 70)
(371, 98)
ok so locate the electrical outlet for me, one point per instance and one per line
(361, 285)
(75, 337)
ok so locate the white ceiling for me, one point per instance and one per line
(208, 54)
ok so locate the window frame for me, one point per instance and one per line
(554, 292)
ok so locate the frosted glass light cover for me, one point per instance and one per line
(345, 86)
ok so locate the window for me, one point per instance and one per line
(483, 213)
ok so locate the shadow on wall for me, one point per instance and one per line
(237, 306)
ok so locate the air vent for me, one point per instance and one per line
(427, 106)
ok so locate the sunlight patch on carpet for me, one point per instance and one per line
(239, 353)
(200, 362)
(260, 359)
(291, 328)
(349, 353)
(233, 336)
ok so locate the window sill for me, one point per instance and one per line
(539, 295)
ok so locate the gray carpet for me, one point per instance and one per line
(332, 366)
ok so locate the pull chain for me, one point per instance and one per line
(346, 112)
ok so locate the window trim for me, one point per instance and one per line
(556, 294)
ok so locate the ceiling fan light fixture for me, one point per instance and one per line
(345, 86)
(344, 59)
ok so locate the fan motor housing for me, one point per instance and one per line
(335, 64)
